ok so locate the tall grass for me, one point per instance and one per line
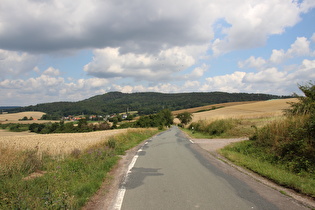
(223, 128)
(291, 141)
(283, 151)
(68, 182)
(259, 160)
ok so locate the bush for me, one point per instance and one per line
(292, 140)
(215, 128)
(111, 143)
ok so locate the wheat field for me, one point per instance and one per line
(270, 108)
(57, 144)
(14, 117)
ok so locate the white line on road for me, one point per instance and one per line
(191, 141)
(122, 190)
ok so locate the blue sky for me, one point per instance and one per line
(64, 50)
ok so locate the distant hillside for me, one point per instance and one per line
(144, 103)
(2, 108)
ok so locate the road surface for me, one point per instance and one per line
(169, 172)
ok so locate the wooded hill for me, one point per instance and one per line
(144, 103)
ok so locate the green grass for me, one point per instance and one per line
(68, 183)
(227, 128)
(259, 161)
(195, 134)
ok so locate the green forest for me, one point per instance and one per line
(144, 103)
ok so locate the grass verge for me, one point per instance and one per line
(67, 183)
(257, 160)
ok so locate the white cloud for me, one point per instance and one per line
(253, 21)
(268, 80)
(51, 88)
(110, 63)
(301, 47)
(191, 86)
(226, 83)
(51, 72)
(277, 56)
(15, 63)
(252, 62)
(267, 76)
(197, 72)
(47, 88)
(143, 26)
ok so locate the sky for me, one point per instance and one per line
(65, 50)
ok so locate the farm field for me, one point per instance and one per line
(14, 117)
(261, 109)
(202, 108)
(55, 144)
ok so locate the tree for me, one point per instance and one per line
(185, 117)
(24, 118)
(306, 104)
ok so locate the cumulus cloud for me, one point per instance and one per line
(253, 21)
(268, 80)
(52, 72)
(252, 62)
(15, 63)
(226, 83)
(110, 63)
(301, 47)
(142, 26)
(161, 45)
(48, 87)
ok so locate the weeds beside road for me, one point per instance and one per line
(65, 183)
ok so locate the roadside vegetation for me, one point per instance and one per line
(32, 181)
(283, 150)
(227, 128)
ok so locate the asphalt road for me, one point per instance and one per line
(170, 173)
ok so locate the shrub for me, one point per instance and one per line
(292, 140)
(215, 128)
(111, 143)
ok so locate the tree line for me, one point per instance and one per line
(144, 103)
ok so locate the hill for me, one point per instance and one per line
(144, 103)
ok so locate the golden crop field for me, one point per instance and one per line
(57, 144)
(270, 108)
(14, 117)
(200, 108)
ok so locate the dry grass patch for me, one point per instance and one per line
(262, 109)
(57, 144)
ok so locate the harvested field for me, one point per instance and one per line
(14, 117)
(271, 108)
(201, 108)
(57, 144)
(9, 133)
